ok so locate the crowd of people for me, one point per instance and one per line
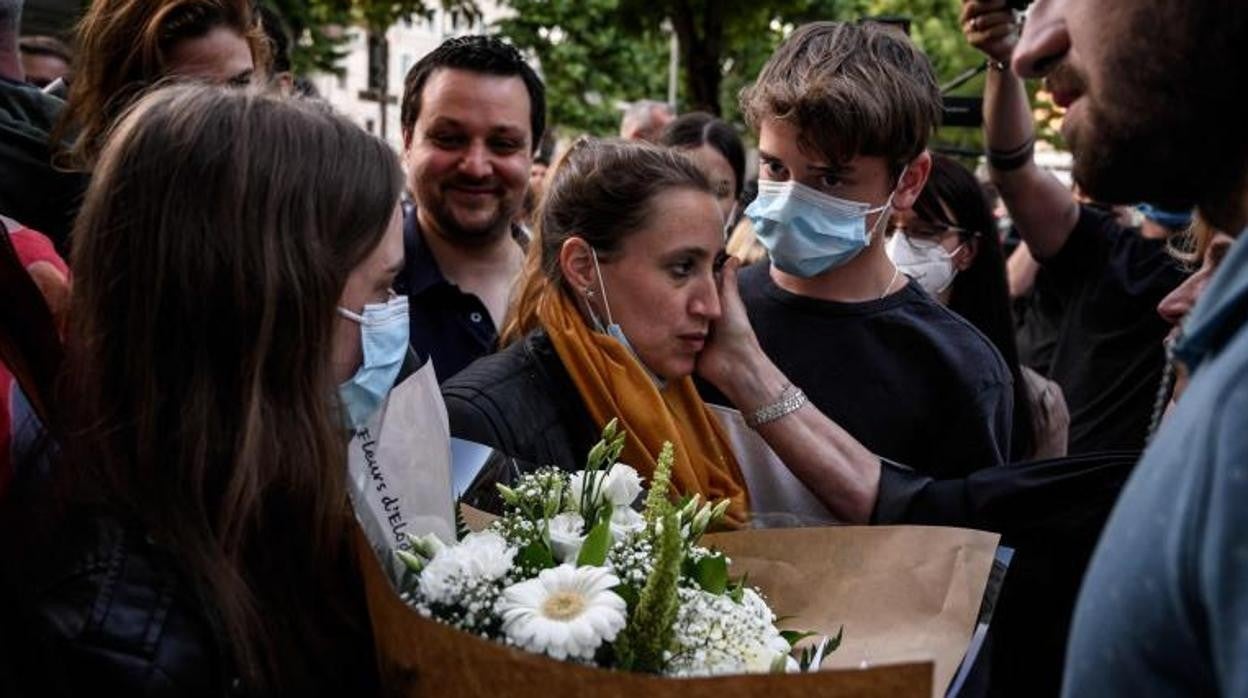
(214, 283)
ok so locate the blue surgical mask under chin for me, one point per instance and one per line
(807, 232)
(612, 329)
(384, 339)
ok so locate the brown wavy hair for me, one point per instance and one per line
(850, 89)
(214, 243)
(122, 50)
(600, 191)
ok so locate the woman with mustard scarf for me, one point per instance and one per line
(625, 295)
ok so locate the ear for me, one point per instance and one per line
(966, 256)
(576, 261)
(912, 182)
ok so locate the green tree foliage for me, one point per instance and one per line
(596, 54)
(589, 61)
(318, 26)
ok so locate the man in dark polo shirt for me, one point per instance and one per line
(472, 113)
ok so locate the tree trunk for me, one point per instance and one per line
(700, 32)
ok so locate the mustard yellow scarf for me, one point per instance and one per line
(613, 384)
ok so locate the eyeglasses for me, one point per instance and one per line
(915, 228)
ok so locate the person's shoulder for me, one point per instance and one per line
(117, 607)
(28, 105)
(951, 336)
(498, 372)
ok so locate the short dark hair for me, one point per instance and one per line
(850, 89)
(696, 129)
(479, 54)
(276, 31)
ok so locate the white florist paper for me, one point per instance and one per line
(399, 468)
(778, 499)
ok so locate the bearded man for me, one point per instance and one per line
(1153, 115)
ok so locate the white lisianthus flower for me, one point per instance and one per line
(484, 555)
(620, 485)
(565, 536)
(624, 520)
(565, 612)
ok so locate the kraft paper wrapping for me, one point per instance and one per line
(907, 597)
(422, 658)
(902, 593)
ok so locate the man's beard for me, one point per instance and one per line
(1166, 127)
(498, 226)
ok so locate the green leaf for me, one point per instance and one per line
(535, 555)
(795, 636)
(461, 526)
(630, 595)
(835, 642)
(711, 573)
(598, 543)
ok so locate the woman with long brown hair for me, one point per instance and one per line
(228, 248)
(125, 47)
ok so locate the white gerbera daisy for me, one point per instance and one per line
(565, 612)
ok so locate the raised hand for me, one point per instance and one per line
(991, 27)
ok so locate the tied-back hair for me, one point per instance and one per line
(696, 129)
(123, 50)
(211, 251)
(980, 293)
(600, 191)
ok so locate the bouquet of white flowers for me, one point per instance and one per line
(571, 570)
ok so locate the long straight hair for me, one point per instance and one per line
(980, 293)
(215, 241)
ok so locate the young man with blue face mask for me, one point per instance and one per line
(843, 113)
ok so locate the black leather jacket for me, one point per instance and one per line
(107, 611)
(522, 402)
(109, 614)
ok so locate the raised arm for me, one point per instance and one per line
(1040, 205)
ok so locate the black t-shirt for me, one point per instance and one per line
(904, 375)
(1099, 295)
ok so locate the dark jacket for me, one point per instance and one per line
(32, 190)
(103, 609)
(522, 402)
(112, 605)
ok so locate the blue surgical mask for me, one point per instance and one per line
(614, 330)
(807, 232)
(384, 339)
